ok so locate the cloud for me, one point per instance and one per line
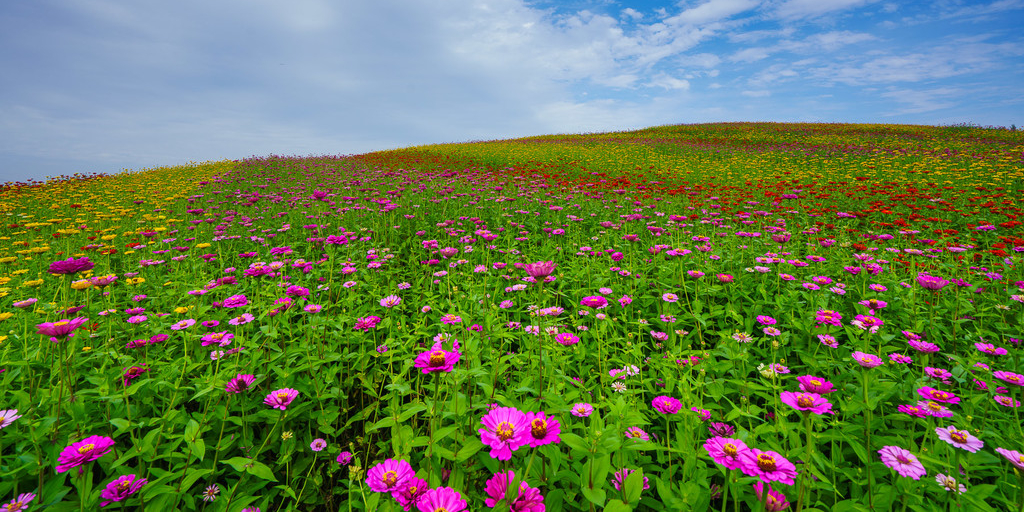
(794, 9)
(715, 10)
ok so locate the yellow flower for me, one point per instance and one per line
(182, 310)
(2, 338)
(18, 272)
(286, 435)
(82, 284)
(203, 245)
(5, 315)
(108, 237)
(33, 284)
(135, 280)
(12, 259)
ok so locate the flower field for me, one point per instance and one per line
(703, 317)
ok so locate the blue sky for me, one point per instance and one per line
(106, 85)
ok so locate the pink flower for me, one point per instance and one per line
(1016, 458)
(121, 489)
(959, 438)
(867, 360)
(527, 500)
(543, 429)
(725, 451)
(240, 383)
(811, 402)
(19, 503)
(8, 416)
(60, 329)
(621, 475)
(902, 461)
(442, 499)
(594, 301)
(437, 359)
(505, 430)
(666, 404)
(812, 384)
(540, 269)
(389, 475)
(281, 398)
(582, 410)
(222, 338)
(566, 338)
(236, 301)
(86, 450)
(1012, 378)
(768, 466)
(775, 502)
(938, 395)
(410, 493)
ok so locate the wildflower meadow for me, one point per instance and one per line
(702, 317)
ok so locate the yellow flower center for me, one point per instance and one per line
(805, 401)
(766, 462)
(437, 358)
(86, 448)
(959, 436)
(730, 449)
(389, 478)
(282, 395)
(538, 428)
(505, 431)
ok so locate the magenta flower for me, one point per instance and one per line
(318, 445)
(812, 384)
(242, 319)
(811, 402)
(240, 383)
(827, 316)
(389, 475)
(132, 373)
(938, 395)
(121, 489)
(959, 438)
(625, 300)
(390, 301)
(541, 269)
(1016, 458)
(528, 499)
(505, 430)
(666, 404)
(767, 465)
(60, 329)
(931, 282)
(344, 458)
(914, 410)
(990, 349)
(923, 346)
(902, 461)
(775, 502)
(637, 433)
(543, 429)
(1012, 378)
(725, 451)
(620, 476)
(222, 338)
(566, 338)
(867, 360)
(184, 324)
(367, 323)
(442, 499)
(71, 266)
(86, 450)
(19, 503)
(594, 301)
(437, 359)
(410, 493)
(935, 409)
(236, 301)
(281, 398)
(582, 410)
(949, 483)
(765, 320)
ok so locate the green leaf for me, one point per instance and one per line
(261, 470)
(617, 506)
(595, 495)
(634, 485)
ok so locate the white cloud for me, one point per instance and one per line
(715, 10)
(813, 8)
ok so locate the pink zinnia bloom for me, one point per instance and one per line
(990, 349)
(86, 450)
(437, 359)
(666, 404)
(242, 319)
(935, 409)
(527, 500)
(637, 433)
(543, 429)
(281, 398)
(902, 461)
(184, 324)
(121, 489)
(959, 438)
(20, 503)
(222, 338)
(620, 476)
(566, 338)
(950, 484)
(867, 360)
(367, 323)
(812, 402)
(775, 502)
(594, 301)
(582, 410)
(442, 499)
(318, 445)
(1006, 401)
(812, 384)
(914, 410)
(409, 494)
(1012, 378)
(931, 282)
(506, 429)
(390, 301)
(923, 346)
(236, 301)
(768, 466)
(765, 320)
(60, 329)
(540, 269)
(240, 383)
(70, 266)
(938, 395)
(725, 451)
(1016, 458)
(389, 475)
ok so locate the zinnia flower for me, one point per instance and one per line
(775, 502)
(1012, 378)
(281, 398)
(950, 484)
(410, 493)
(442, 499)
(725, 451)
(318, 445)
(540, 269)
(902, 461)
(437, 359)
(812, 384)
(389, 475)
(527, 500)
(86, 450)
(594, 301)
(71, 266)
(666, 404)
(20, 503)
(1016, 458)
(811, 402)
(582, 410)
(8, 416)
(867, 360)
(543, 429)
(959, 438)
(505, 430)
(938, 395)
(637, 433)
(620, 476)
(767, 465)
(60, 329)
(240, 383)
(121, 489)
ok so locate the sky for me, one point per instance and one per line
(107, 85)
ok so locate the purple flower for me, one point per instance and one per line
(70, 266)
(19, 503)
(240, 383)
(811, 402)
(902, 461)
(437, 359)
(540, 269)
(867, 360)
(666, 404)
(442, 499)
(959, 438)
(344, 458)
(768, 466)
(8, 416)
(543, 429)
(389, 475)
(931, 282)
(121, 489)
(725, 451)
(86, 450)
(594, 301)
(281, 398)
(60, 329)
(505, 430)
(582, 410)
